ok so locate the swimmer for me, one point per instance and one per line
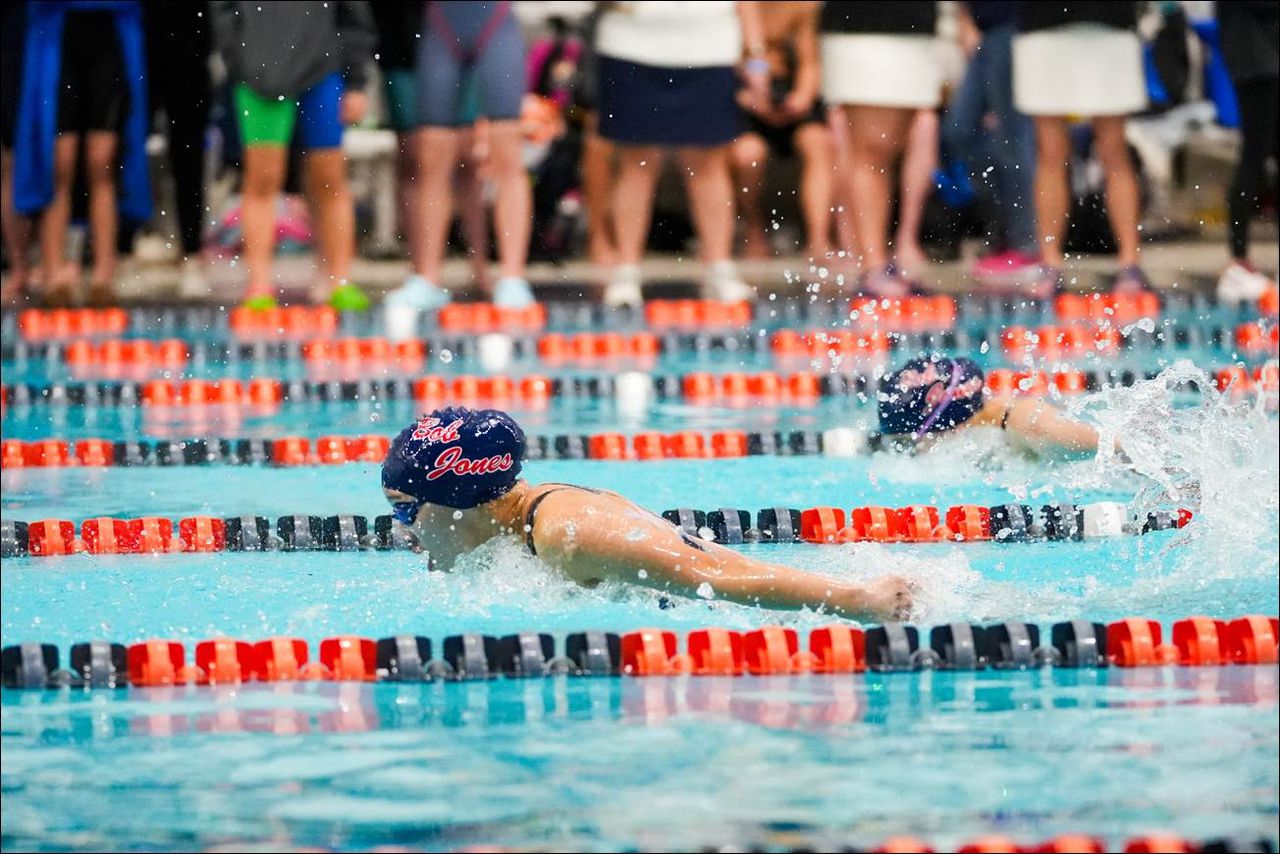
(931, 396)
(453, 478)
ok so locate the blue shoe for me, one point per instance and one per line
(512, 292)
(418, 293)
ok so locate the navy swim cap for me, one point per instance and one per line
(933, 393)
(456, 457)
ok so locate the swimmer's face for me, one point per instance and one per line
(403, 506)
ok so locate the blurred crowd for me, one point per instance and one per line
(541, 130)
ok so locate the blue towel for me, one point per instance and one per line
(38, 107)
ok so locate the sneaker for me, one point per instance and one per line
(721, 282)
(512, 292)
(624, 286)
(888, 282)
(1010, 265)
(1242, 282)
(349, 297)
(192, 284)
(418, 293)
(1131, 280)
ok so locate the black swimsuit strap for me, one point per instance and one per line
(561, 487)
(1004, 420)
(533, 509)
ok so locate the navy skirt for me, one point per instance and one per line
(652, 105)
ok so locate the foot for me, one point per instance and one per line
(191, 283)
(1131, 280)
(101, 295)
(755, 246)
(1008, 266)
(512, 292)
(1045, 283)
(911, 258)
(418, 293)
(624, 286)
(348, 297)
(14, 287)
(1242, 282)
(720, 281)
(887, 282)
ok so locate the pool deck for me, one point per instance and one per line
(1183, 264)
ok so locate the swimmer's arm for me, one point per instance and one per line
(1042, 427)
(631, 547)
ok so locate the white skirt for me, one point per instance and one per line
(1079, 70)
(881, 70)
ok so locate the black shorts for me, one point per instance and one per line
(93, 94)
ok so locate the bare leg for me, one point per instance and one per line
(710, 192)
(638, 171)
(100, 162)
(330, 197)
(1053, 155)
(918, 166)
(817, 181)
(597, 180)
(1122, 186)
(17, 235)
(410, 198)
(749, 154)
(264, 173)
(876, 135)
(53, 223)
(437, 152)
(469, 184)
(513, 203)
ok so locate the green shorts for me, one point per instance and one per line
(271, 121)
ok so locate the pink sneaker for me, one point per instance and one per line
(1007, 266)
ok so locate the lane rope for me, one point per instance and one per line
(1197, 641)
(970, 523)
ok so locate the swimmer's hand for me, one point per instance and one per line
(888, 598)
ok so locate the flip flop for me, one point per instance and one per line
(348, 297)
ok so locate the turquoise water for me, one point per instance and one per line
(666, 763)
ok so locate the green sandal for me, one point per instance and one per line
(348, 297)
(262, 302)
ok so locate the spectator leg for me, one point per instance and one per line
(54, 221)
(638, 169)
(513, 202)
(709, 188)
(750, 155)
(918, 166)
(817, 175)
(876, 136)
(1123, 204)
(17, 234)
(1258, 129)
(469, 190)
(407, 175)
(264, 174)
(597, 179)
(438, 153)
(100, 172)
(330, 197)
(1053, 196)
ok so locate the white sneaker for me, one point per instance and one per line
(720, 281)
(1242, 283)
(512, 292)
(624, 286)
(192, 284)
(417, 293)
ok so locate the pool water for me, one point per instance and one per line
(672, 763)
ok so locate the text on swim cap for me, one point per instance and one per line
(428, 429)
(451, 461)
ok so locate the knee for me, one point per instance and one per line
(1053, 148)
(750, 151)
(1113, 152)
